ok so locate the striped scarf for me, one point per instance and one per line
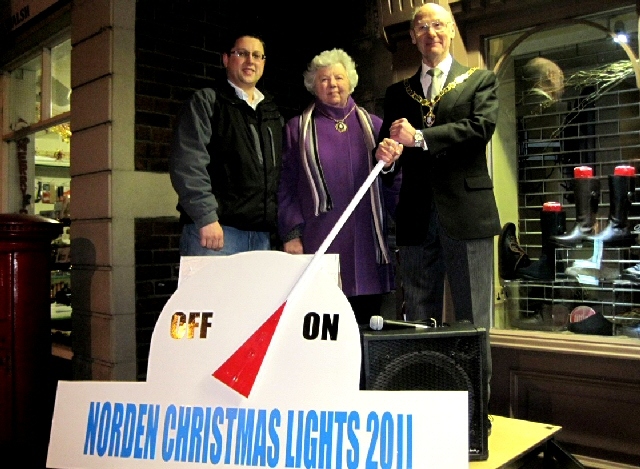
(320, 192)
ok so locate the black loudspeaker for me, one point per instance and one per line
(448, 358)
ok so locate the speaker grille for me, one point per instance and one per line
(442, 359)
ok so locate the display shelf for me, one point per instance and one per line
(584, 277)
(51, 161)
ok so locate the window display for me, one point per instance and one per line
(568, 134)
(39, 177)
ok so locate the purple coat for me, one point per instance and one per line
(344, 160)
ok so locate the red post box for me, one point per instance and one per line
(26, 397)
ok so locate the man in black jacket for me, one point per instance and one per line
(446, 216)
(225, 159)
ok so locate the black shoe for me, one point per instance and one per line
(510, 255)
(537, 270)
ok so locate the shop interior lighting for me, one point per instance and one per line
(620, 33)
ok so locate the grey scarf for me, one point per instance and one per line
(313, 169)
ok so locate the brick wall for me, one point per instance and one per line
(179, 50)
(157, 262)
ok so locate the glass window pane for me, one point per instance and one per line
(25, 92)
(61, 78)
(52, 181)
(52, 145)
(568, 98)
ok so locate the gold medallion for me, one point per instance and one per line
(429, 118)
(341, 125)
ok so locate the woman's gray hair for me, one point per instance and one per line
(326, 59)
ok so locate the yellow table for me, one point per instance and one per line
(514, 441)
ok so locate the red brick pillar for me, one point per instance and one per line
(26, 394)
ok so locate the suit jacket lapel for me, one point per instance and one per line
(456, 70)
(415, 83)
(414, 112)
(449, 98)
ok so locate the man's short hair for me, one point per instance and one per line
(232, 37)
(418, 9)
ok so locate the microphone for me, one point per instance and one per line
(377, 323)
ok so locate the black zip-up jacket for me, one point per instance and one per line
(225, 160)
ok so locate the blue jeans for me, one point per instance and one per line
(235, 241)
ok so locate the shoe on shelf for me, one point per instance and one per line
(542, 269)
(511, 256)
(584, 320)
(604, 273)
(633, 270)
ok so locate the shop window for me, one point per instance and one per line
(25, 91)
(38, 133)
(60, 79)
(569, 98)
(37, 138)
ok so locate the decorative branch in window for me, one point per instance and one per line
(600, 80)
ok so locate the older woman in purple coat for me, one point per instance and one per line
(327, 157)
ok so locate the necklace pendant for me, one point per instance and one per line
(429, 119)
(341, 126)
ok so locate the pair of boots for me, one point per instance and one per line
(587, 198)
(513, 261)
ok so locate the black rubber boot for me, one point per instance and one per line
(510, 255)
(587, 198)
(621, 196)
(552, 223)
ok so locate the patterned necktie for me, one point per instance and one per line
(434, 87)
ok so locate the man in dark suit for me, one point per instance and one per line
(447, 216)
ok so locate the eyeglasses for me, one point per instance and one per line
(244, 54)
(437, 26)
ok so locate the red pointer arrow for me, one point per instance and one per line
(241, 369)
